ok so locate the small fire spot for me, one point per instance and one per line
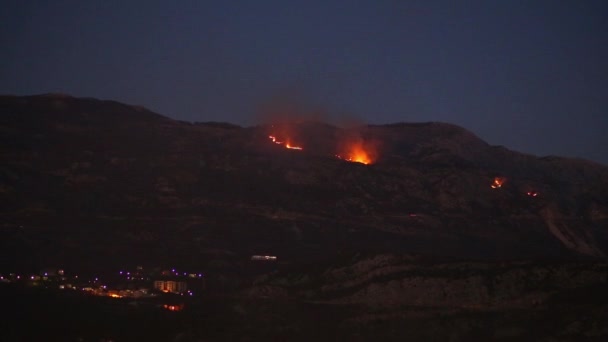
(498, 182)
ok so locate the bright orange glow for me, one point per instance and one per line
(498, 182)
(287, 145)
(357, 154)
(291, 147)
(114, 295)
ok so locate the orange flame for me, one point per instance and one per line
(498, 182)
(357, 154)
(287, 145)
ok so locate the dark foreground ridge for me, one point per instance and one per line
(411, 228)
(381, 298)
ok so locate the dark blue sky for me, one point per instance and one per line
(530, 75)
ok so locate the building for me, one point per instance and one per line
(170, 286)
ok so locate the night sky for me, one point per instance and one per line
(529, 75)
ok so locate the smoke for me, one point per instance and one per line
(293, 106)
(288, 106)
(291, 115)
(357, 142)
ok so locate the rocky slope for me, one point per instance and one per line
(389, 281)
(84, 180)
(387, 297)
(441, 237)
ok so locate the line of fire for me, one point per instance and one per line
(286, 144)
(357, 153)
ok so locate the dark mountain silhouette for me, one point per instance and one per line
(441, 237)
(84, 180)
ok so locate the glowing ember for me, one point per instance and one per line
(274, 140)
(498, 182)
(287, 145)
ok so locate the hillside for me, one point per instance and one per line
(88, 181)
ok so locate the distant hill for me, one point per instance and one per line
(87, 181)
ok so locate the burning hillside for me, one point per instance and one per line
(358, 152)
(286, 144)
(238, 177)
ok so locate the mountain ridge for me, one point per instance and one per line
(126, 174)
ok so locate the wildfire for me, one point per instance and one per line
(287, 145)
(498, 182)
(357, 154)
(274, 140)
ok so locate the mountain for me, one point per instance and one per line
(85, 181)
(416, 230)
